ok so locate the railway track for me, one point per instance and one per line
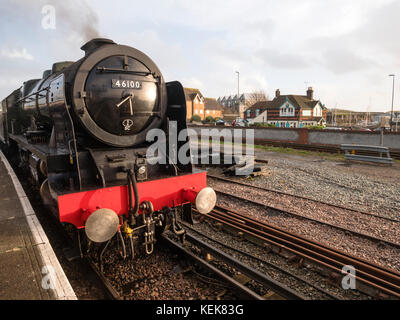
(112, 293)
(275, 210)
(280, 273)
(241, 290)
(134, 280)
(273, 288)
(370, 278)
(226, 180)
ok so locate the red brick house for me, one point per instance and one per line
(213, 108)
(289, 111)
(194, 103)
(197, 104)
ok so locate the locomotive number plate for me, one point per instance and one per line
(130, 84)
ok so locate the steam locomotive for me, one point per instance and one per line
(81, 133)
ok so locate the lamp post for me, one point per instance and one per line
(391, 114)
(238, 93)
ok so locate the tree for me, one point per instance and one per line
(195, 118)
(255, 96)
(209, 119)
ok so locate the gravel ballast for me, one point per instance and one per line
(375, 226)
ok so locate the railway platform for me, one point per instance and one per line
(29, 268)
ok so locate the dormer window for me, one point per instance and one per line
(287, 110)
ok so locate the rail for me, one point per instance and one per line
(371, 279)
(257, 276)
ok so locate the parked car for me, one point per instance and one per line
(220, 122)
(241, 123)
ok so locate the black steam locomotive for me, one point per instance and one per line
(81, 131)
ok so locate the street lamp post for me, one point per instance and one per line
(391, 114)
(238, 93)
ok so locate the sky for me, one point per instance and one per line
(344, 49)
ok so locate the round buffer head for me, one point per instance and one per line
(102, 225)
(205, 200)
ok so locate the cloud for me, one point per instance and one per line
(16, 54)
(368, 46)
(193, 82)
(342, 60)
(279, 59)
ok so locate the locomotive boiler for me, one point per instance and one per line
(81, 131)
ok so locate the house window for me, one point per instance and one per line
(213, 111)
(257, 112)
(307, 113)
(248, 113)
(208, 111)
(196, 111)
(201, 111)
(287, 111)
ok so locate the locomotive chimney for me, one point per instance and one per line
(310, 93)
(277, 93)
(93, 44)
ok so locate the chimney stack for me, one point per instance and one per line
(310, 93)
(277, 93)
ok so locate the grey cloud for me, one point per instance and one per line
(341, 61)
(381, 29)
(373, 44)
(282, 60)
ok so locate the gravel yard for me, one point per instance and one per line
(366, 187)
(361, 186)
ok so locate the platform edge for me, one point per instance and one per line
(63, 289)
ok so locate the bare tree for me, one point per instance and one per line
(256, 96)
